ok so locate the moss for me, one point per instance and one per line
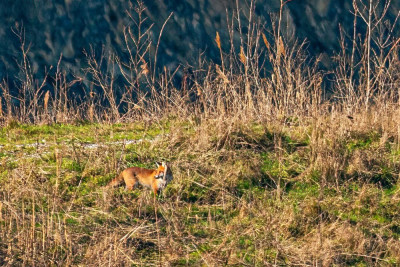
(71, 221)
(362, 141)
(300, 190)
(72, 165)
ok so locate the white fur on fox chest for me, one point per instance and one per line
(161, 183)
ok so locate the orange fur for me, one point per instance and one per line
(154, 179)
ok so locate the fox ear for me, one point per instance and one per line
(158, 164)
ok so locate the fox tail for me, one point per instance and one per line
(116, 181)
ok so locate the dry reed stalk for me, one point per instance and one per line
(59, 160)
(280, 48)
(242, 57)
(221, 75)
(46, 101)
(1, 107)
(267, 45)
(218, 41)
(145, 69)
(91, 112)
(158, 44)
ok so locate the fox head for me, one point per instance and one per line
(161, 170)
(163, 175)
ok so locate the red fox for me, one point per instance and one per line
(154, 179)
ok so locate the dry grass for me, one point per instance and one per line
(267, 171)
(241, 195)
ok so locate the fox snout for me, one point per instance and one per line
(159, 176)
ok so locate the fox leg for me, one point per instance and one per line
(154, 186)
(129, 187)
(130, 184)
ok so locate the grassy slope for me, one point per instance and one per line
(251, 194)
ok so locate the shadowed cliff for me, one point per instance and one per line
(69, 27)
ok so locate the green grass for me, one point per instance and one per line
(222, 207)
(20, 134)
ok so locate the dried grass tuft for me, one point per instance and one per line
(218, 40)
(46, 101)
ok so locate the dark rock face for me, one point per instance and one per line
(53, 27)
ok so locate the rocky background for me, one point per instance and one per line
(68, 27)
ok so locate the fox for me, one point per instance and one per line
(156, 179)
